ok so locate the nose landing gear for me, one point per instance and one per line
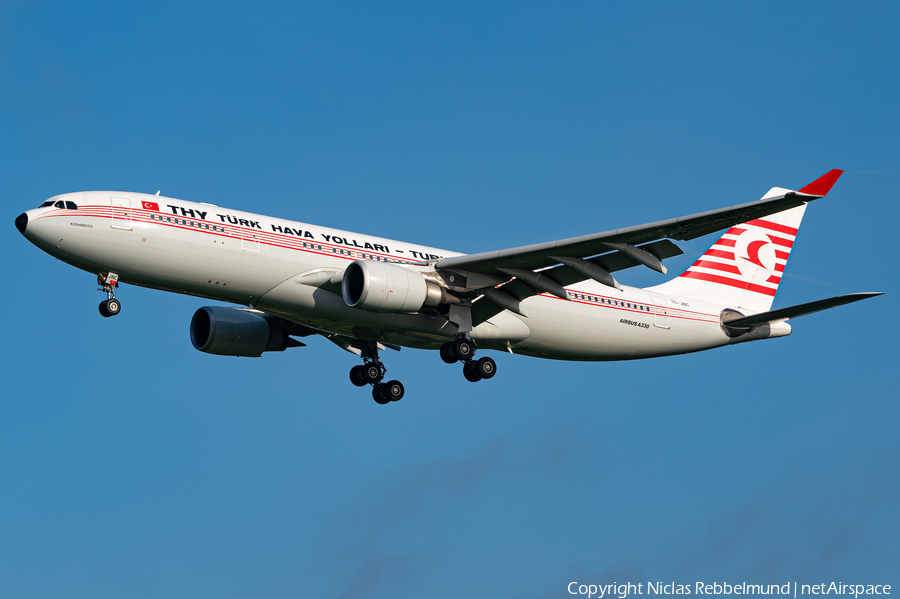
(372, 373)
(108, 283)
(463, 350)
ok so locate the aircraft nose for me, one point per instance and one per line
(22, 222)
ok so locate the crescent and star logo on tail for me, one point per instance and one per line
(754, 247)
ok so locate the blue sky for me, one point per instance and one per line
(132, 465)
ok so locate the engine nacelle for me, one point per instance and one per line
(235, 332)
(381, 287)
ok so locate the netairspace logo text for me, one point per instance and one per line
(791, 589)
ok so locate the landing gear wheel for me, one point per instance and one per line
(113, 306)
(485, 367)
(393, 390)
(471, 372)
(379, 395)
(356, 376)
(464, 349)
(448, 355)
(371, 373)
(110, 306)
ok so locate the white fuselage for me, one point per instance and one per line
(254, 260)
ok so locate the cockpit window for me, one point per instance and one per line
(60, 204)
(45, 204)
(71, 206)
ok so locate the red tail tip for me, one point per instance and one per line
(821, 186)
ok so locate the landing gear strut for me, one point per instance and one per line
(372, 373)
(111, 306)
(463, 350)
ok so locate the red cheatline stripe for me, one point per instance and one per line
(705, 276)
(782, 255)
(774, 279)
(672, 312)
(718, 266)
(734, 231)
(779, 267)
(726, 242)
(234, 232)
(765, 224)
(719, 254)
(780, 241)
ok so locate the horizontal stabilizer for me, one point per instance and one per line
(795, 311)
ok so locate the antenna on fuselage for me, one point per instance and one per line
(157, 193)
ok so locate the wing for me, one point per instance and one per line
(541, 255)
(550, 266)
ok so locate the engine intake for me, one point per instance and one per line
(380, 287)
(235, 332)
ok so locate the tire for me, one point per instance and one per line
(464, 349)
(371, 373)
(379, 396)
(393, 390)
(356, 376)
(486, 368)
(104, 312)
(471, 373)
(113, 306)
(447, 353)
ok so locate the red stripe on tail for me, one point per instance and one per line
(703, 276)
(765, 224)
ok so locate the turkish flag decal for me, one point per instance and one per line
(150, 206)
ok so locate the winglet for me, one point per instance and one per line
(821, 186)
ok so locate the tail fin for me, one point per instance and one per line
(744, 267)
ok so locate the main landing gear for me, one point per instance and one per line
(463, 350)
(372, 373)
(111, 306)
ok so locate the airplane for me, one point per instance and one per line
(556, 300)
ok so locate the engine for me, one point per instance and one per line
(381, 287)
(236, 332)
